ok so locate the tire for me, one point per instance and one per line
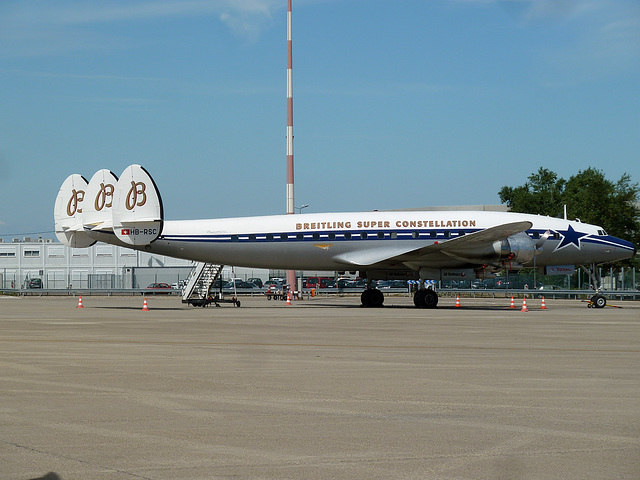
(431, 299)
(377, 298)
(599, 301)
(372, 297)
(425, 298)
(365, 298)
(418, 298)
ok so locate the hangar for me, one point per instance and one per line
(48, 264)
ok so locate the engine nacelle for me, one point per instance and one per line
(518, 249)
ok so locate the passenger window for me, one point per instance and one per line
(380, 235)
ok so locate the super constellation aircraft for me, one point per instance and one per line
(381, 245)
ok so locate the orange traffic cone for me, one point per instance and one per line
(513, 305)
(80, 302)
(543, 307)
(288, 299)
(458, 300)
(524, 305)
(145, 307)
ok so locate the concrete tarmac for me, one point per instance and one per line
(323, 389)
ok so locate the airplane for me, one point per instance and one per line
(382, 245)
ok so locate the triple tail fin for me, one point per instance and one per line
(130, 208)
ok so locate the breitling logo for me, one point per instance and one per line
(441, 223)
(323, 246)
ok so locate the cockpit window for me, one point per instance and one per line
(602, 232)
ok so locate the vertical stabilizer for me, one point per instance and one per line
(137, 207)
(96, 214)
(67, 212)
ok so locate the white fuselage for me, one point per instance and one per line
(372, 240)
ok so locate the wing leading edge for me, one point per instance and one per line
(468, 246)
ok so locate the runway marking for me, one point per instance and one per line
(319, 345)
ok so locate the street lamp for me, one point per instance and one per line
(300, 208)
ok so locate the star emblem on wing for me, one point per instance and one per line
(570, 237)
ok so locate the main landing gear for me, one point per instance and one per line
(372, 297)
(423, 298)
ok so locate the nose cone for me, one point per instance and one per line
(619, 249)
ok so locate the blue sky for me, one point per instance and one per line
(396, 104)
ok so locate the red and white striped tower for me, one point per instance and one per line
(291, 274)
(290, 204)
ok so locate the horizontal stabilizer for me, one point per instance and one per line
(67, 212)
(137, 207)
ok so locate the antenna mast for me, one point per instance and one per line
(290, 201)
(291, 274)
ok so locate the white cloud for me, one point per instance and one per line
(605, 43)
(592, 39)
(47, 28)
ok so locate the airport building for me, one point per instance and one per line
(45, 263)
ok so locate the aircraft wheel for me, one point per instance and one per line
(372, 297)
(425, 299)
(377, 298)
(365, 298)
(418, 298)
(237, 303)
(599, 301)
(431, 299)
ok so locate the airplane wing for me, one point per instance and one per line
(480, 241)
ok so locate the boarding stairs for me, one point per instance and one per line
(197, 289)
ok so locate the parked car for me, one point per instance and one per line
(515, 282)
(386, 284)
(319, 282)
(240, 284)
(159, 288)
(481, 283)
(274, 286)
(257, 281)
(35, 283)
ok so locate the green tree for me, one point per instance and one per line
(588, 196)
(541, 195)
